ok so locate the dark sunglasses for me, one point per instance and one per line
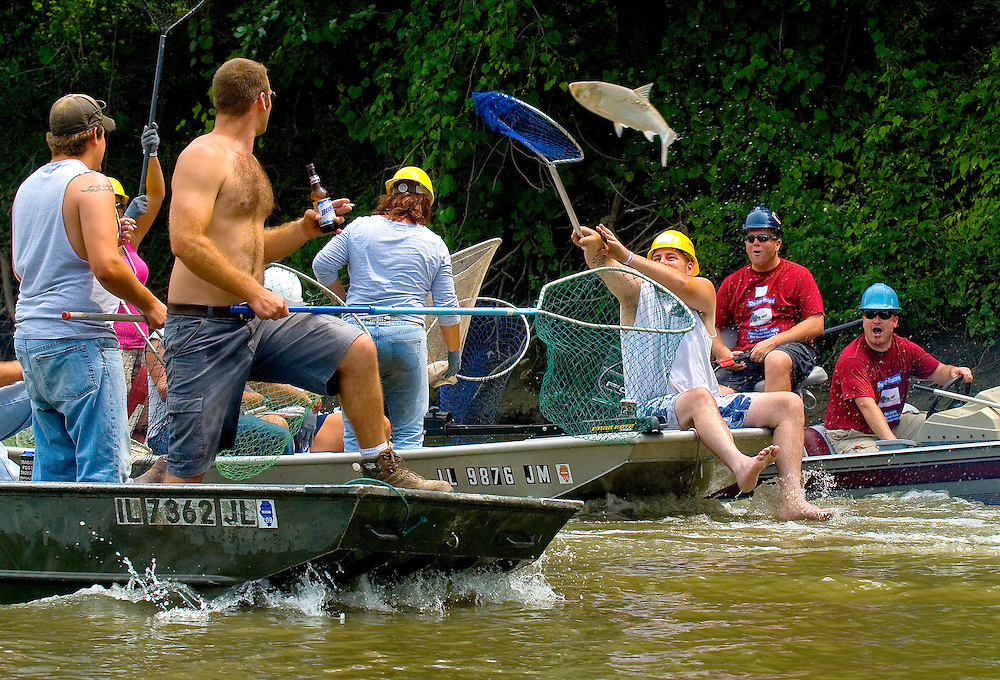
(763, 238)
(883, 314)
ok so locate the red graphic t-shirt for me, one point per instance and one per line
(883, 376)
(763, 304)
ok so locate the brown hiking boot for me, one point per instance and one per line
(388, 468)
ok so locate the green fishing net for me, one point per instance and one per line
(590, 389)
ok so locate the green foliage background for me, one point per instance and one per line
(871, 127)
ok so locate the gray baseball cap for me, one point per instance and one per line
(74, 113)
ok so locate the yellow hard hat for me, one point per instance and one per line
(410, 180)
(119, 189)
(677, 241)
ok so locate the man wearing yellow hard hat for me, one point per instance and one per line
(688, 393)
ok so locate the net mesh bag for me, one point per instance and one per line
(493, 347)
(468, 269)
(513, 118)
(168, 13)
(272, 415)
(591, 387)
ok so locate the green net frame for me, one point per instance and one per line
(588, 389)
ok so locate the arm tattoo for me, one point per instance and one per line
(94, 189)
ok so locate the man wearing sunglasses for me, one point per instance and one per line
(65, 253)
(775, 306)
(870, 382)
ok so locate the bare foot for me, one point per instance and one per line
(795, 506)
(747, 477)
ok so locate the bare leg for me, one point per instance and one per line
(783, 413)
(330, 437)
(170, 479)
(361, 392)
(361, 399)
(777, 372)
(697, 408)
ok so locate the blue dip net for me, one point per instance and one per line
(493, 347)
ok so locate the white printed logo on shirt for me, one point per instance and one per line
(760, 291)
(761, 316)
(889, 397)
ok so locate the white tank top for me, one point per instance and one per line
(645, 356)
(54, 278)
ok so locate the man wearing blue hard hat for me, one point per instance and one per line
(775, 306)
(872, 377)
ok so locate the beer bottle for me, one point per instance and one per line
(321, 201)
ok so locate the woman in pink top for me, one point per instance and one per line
(135, 219)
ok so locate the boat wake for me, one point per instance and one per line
(314, 595)
(613, 508)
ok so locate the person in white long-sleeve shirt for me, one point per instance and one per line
(394, 260)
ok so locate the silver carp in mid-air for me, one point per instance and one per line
(625, 108)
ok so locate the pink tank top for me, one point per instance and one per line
(130, 337)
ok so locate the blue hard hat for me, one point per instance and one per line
(762, 217)
(879, 296)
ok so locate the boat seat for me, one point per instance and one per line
(815, 441)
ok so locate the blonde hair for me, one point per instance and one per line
(237, 84)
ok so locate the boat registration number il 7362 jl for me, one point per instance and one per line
(202, 512)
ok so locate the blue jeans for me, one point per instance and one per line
(15, 415)
(402, 366)
(77, 390)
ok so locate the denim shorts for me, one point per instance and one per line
(209, 361)
(77, 390)
(732, 407)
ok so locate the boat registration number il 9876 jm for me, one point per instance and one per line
(259, 513)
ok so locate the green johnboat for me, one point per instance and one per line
(58, 537)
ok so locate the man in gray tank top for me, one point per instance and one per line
(65, 254)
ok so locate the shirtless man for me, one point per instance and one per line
(688, 397)
(221, 199)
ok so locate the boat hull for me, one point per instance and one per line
(552, 467)
(58, 537)
(970, 470)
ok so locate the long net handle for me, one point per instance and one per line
(152, 108)
(395, 311)
(156, 91)
(245, 310)
(561, 190)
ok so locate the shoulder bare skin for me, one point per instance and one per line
(221, 200)
(91, 225)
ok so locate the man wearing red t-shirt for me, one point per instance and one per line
(777, 309)
(872, 378)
